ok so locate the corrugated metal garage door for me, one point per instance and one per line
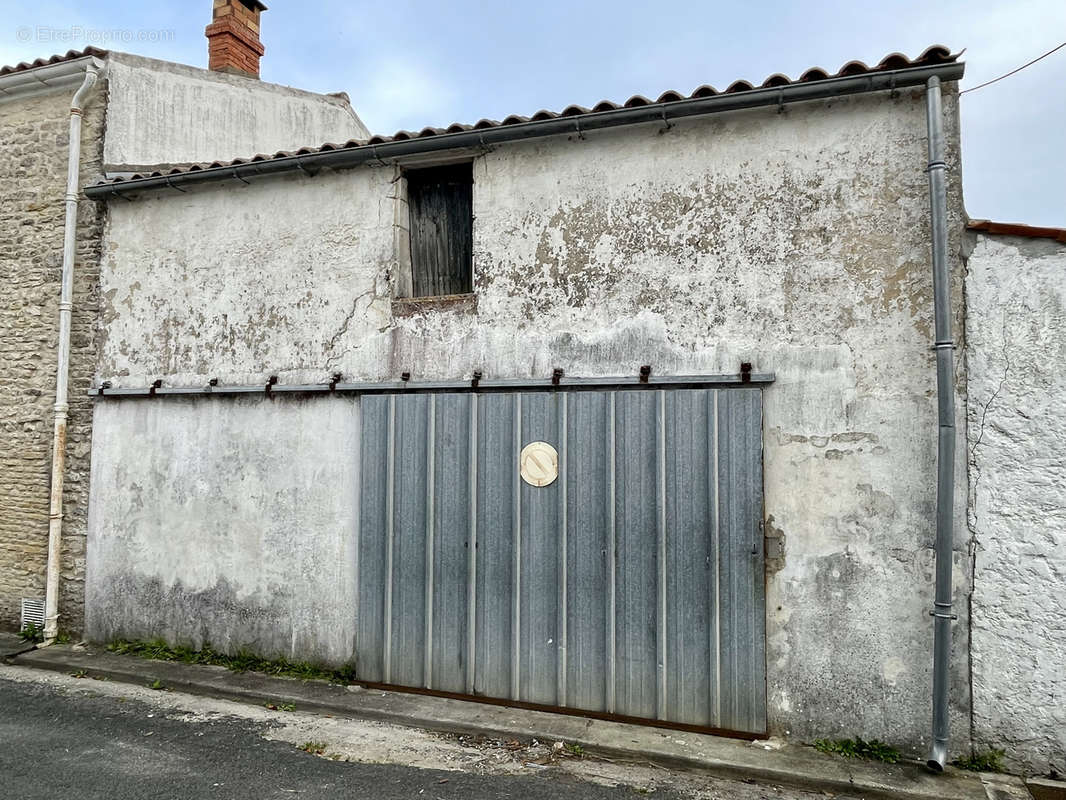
(632, 585)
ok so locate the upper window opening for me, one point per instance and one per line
(442, 231)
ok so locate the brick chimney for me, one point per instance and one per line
(233, 37)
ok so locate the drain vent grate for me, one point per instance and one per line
(32, 613)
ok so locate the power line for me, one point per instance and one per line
(1013, 71)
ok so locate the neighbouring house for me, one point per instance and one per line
(1015, 349)
(138, 112)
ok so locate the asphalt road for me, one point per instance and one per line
(55, 743)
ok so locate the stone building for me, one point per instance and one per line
(140, 111)
(626, 409)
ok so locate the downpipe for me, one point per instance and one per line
(59, 436)
(945, 391)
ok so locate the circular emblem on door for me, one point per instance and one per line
(539, 463)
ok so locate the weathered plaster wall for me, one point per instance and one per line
(797, 241)
(221, 523)
(290, 278)
(1016, 350)
(167, 113)
(33, 171)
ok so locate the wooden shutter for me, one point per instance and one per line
(441, 203)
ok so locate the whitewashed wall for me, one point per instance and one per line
(234, 513)
(1016, 330)
(796, 241)
(164, 113)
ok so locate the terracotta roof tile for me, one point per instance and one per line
(70, 55)
(777, 79)
(814, 74)
(1017, 229)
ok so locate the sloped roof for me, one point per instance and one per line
(931, 56)
(70, 55)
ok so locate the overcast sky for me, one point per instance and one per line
(412, 63)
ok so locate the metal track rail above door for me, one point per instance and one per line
(415, 387)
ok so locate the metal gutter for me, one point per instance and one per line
(45, 78)
(89, 72)
(945, 457)
(416, 387)
(889, 80)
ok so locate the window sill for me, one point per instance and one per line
(415, 306)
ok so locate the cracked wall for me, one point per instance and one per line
(1016, 332)
(796, 241)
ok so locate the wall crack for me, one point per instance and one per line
(331, 356)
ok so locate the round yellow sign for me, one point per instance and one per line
(539, 464)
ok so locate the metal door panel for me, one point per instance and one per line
(497, 531)
(636, 553)
(589, 505)
(372, 549)
(691, 562)
(450, 538)
(405, 646)
(539, 635)
(630, 585)
(742, 612)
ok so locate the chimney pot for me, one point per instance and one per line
(233, 37)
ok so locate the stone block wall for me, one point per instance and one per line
(33, 170)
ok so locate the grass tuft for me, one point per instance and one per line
(873, 750)
(243, 661)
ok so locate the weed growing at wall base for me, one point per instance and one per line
(991, 761)
(243, 661)
(32, 633)
(858, 748)
(35, 633)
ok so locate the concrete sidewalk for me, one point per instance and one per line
(769, 763)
